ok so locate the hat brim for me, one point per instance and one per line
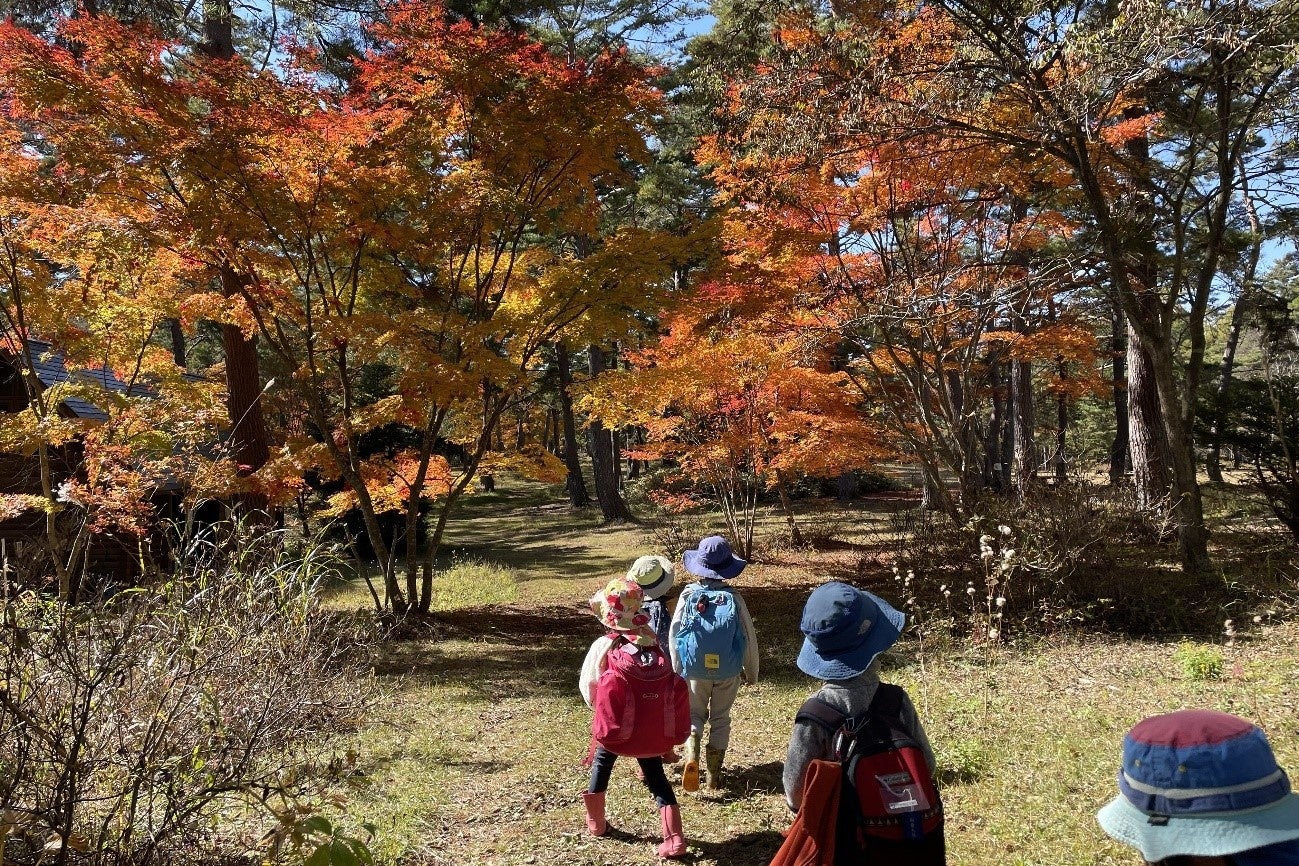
(643, 636)
(694, 563)
(660, 587)
(1217, 835)
(853, 661)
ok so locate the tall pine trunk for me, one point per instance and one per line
(1120, 454)
(574, 483)
(250, 447)
(1146, 437)
(249, 443)
(1239, 312)
(603, 462)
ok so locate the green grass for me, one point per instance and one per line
(473, 756)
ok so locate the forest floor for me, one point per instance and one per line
(472, 754)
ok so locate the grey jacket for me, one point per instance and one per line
(809, 741)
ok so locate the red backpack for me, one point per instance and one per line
(642, 708)
(890, 813)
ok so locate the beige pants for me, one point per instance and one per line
(710, 702)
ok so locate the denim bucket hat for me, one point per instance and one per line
(1201, 782)
(654, 574)
(713, 558)
(844, 629)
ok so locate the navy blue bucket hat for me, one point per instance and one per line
(713, 558)
(844, 629)
(1201, 782)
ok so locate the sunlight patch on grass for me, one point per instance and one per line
(474, 583)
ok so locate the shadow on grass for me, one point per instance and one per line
(748, 849)
(760, 779)
(497, 653)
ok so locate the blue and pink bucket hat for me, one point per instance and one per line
(1201, 782)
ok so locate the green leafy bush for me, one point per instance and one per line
(1199, 662)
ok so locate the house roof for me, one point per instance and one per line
(51, 368)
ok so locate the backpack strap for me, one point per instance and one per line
(817, 712)
(886, 704)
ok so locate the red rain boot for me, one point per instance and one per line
(595, 822)
(674, 844)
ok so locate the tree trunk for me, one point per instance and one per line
(578, 497)
(971, 467)
(1213, 461)
(178, 353)
(1061, 410)
(1188, 505)
(612, 505)
(992, 440)
(249, 443)
(1061, 432)
(635, 438)
(249, 446)
(1120, 455)
(550, 441)
(1147, 440)
(782, 489)
(1133, 254)
(1022, 418)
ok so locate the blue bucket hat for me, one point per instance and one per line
(844, 629)
(1201, 782)
(713, 558)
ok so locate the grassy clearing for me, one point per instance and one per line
(473, 757)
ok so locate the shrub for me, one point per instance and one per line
(1199, 662)
(129, 725)
(676, 532)
(962, 761)
(1065, 555)
(474, 583)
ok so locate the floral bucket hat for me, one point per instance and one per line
(618, 607)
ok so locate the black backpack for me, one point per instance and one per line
(890, 813)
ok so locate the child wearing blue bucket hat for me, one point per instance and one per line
(845, 630)
(1202, 788)
(714, 646)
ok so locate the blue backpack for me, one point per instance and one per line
(710, 639)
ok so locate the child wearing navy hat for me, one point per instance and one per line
(715, 647)
(1202, 788)
(845, 630)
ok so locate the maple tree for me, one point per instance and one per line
(393, 222)
(923, 258)
(79, 268)
(739, 404)
(1145, 116)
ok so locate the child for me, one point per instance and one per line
(845, 630)
(654, 574)
(1202, 788)
(619, 608)
(714, 646)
